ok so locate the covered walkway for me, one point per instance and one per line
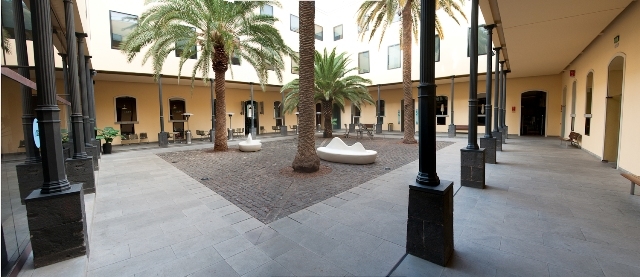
(547, 211)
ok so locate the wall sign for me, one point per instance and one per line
(572, 73)
(616, 41)
(36, 132)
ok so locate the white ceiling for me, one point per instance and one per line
(543, 36)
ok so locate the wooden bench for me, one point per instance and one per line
(573, 139)
(462, 128)
(635, 180)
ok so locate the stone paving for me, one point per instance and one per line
(254, 181)
(547, 211)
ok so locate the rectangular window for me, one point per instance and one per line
(235, 59)
(442, 109)
(319, 33)
(393, 57)
(179, 50)
(266, 10)
(437, 48)
(294, 65)
(482, 40)
(121, 25)
(482, 112)
(337, 32)
(7, 19)
(363, 62)
(295, 23)
(587, 120)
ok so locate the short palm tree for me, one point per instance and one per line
(217, 30)
(306, 159)
(332, 85)
(380, 14)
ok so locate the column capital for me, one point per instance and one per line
(87, 57)
(497, 48)
(490, 26)
(63, 55)
(507, 71)
(93, 72)
(502, 62)
(80, 36)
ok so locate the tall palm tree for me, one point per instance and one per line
(380, 14)
(306, 159)
(220, 30)
(331, 85)
(5, 41)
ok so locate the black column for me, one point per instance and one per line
(83, 89)
(92, 102)
(163, 140)
(472, 142)
(504, 103)
(496, 103)
(213, 114)
(253, 114)
(500, 105)
(33, 155)
(77, 126)
(487, 124)
(452, 126)
(430, 211)
(91, 112)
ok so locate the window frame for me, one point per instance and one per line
(237, 57)
(341, 32)
(368, 62)
(111, 27)
(192, 57)
(185, 109)
(261, 10)
(295, 64)
(291, 16)
(315, 34)
(27, 20)
(115, 110)
(480, 46)
(389, 57)
(437, 47)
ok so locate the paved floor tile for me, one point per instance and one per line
(220, 269)
(233, 246)
(248, 260)
(302, 262)
(271, 268)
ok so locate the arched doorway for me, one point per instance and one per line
(250, 112)
(563, 123)
(614, 107)
(533, 113)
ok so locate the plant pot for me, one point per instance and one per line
(106, 148)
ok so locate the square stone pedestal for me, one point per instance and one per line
(96, 144)
(489, 145)
(79, 171)
(283, 130)
(506, 134)
(212, 135)
(430, 222)
(57, 225)
(29, 178)
(498, 137)
(163, 140)
(452, 131)
(472, 168)
(91, 152)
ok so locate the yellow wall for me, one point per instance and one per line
(597, 57)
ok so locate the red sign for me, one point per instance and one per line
(572, 73)
(513, 109)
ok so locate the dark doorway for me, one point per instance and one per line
(402, 115)
(534, 113)
(336, 115)
(249, 114)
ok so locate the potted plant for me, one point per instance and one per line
(108, 134)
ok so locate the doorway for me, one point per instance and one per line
(336, 115)
(614, 107)
(250, 114)
(563, 107)
(533, 113)
(402, 115)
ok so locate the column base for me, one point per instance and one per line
(379, 128)
(472, 168)
(452, 131)
(91, 152)
(498, 137)
(283, 130)
(30, 178)
(79, 171)
(98, 146)
(489, 145)
(57, 225)
(430, 222)
(163, 140)
(212, 135)
(352, 128)
(506, 134)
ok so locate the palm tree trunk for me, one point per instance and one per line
(409, 115)
(327, 113)
(306, 159)
(220, 66)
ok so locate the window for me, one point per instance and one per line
(337, 32)
(294, 65)
(235, 59)
(482, 40)
(356, 114)
(319, 32)
(482, 112)
(437, 48)
(177, 107)
(121, 25)
(295, 24)
(126, 114)
(393, 57)
(363, 62)
(589, 101)
(276, 109)
(8, 22)
(180, 49)
(266, 10)
(442, 109)
(381, 107)
(380, 112)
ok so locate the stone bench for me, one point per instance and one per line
(337, 151)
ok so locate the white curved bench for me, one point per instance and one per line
(250, 145)
(337, 151)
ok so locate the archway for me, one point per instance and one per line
(614, 106)
(533, 113)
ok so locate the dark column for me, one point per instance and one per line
(92, 102)
(212, 132)
(504, 105)
(91, 140)
(452, 126)
(56, 211)
(496, 103)
(473, 157)
(378, 117)
(500, 113)
(488, 142)
(253, 113)
(430, 212)
(163, 139)
(83, 89)
(77, 125)
(283, 128)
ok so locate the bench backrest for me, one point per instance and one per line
(574, 135)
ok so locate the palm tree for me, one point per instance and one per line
(306, 159)
(380, 15)
(220, 30)
(331, 86)
(5, 41)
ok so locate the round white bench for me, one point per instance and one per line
(337, 151)
(250, 145)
